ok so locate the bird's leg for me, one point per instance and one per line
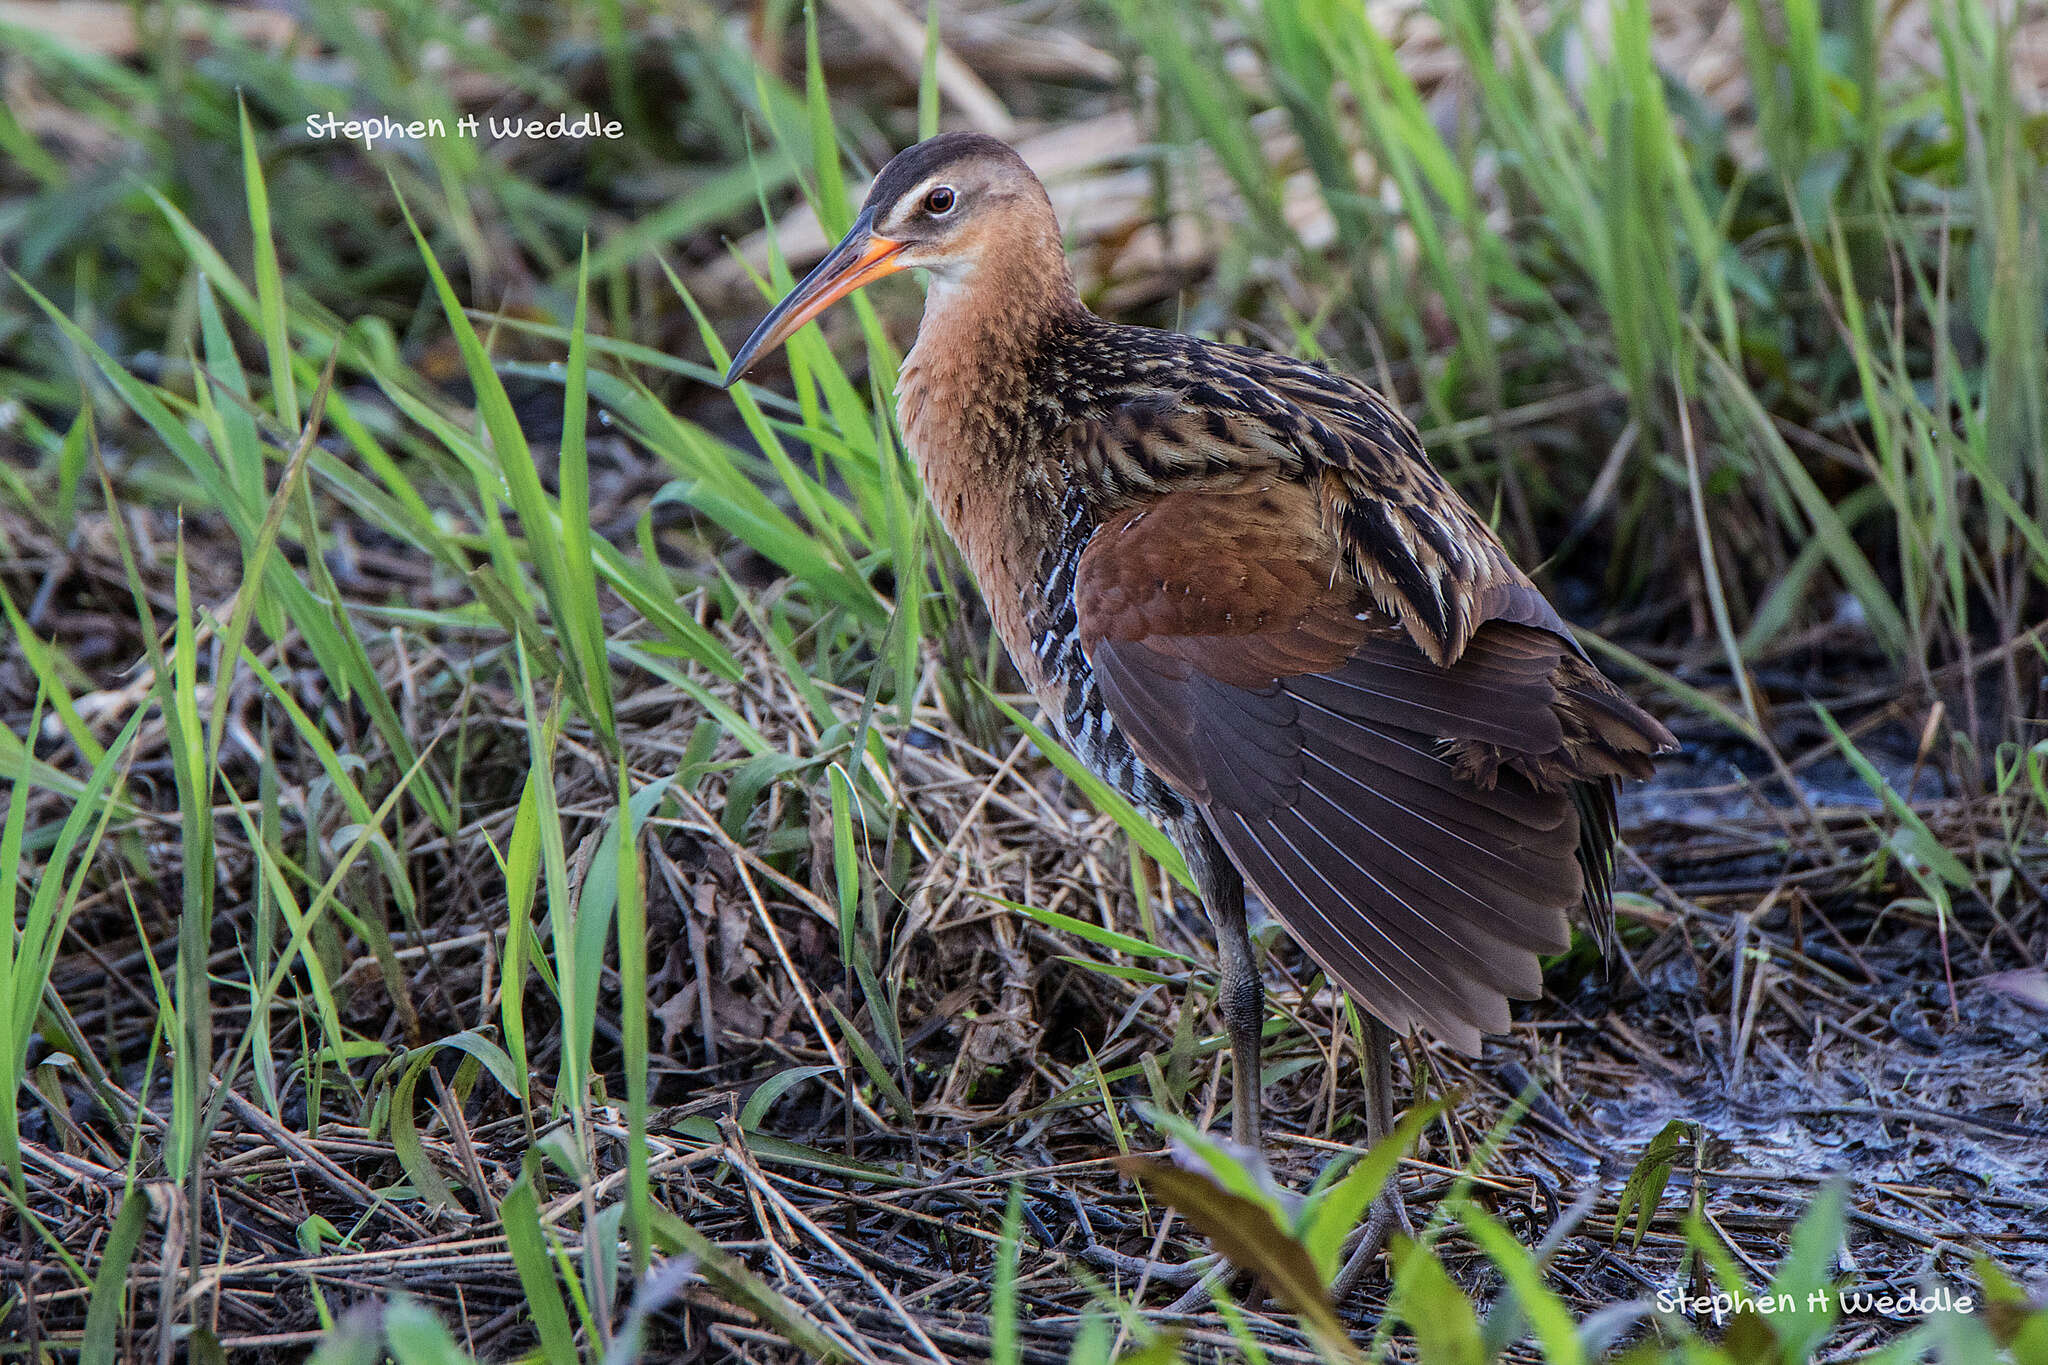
(1388, 1211)
(1379, 1080)
(1244, 1010)
(1240, 993)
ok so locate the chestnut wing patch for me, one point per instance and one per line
(1257, 678)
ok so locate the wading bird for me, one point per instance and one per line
(1249, 602)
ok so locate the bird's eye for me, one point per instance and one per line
(939, 201)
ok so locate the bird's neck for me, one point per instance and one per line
(964, 397)
(985, 321)
(979, 429)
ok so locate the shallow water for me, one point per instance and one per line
(1708, 785)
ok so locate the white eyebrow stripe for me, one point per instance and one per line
(914, 196)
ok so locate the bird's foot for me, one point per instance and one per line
(1185, 1275)
(1388, 1213)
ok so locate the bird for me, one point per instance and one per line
(1248, 602)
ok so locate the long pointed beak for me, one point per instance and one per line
(860, 258)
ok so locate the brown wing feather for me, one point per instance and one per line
(1420, 829)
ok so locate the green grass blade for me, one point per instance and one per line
(519, 1212)
(631, 813)
(1005, 1343)
(110, 1282)
(415, 1336)
(583, 621)
(269, 280)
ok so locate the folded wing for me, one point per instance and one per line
(1423, 829)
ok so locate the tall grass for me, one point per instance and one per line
(1866, 279)
(845, 520)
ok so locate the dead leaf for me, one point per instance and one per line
(1246, 1234)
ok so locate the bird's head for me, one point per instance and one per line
(946, 205)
